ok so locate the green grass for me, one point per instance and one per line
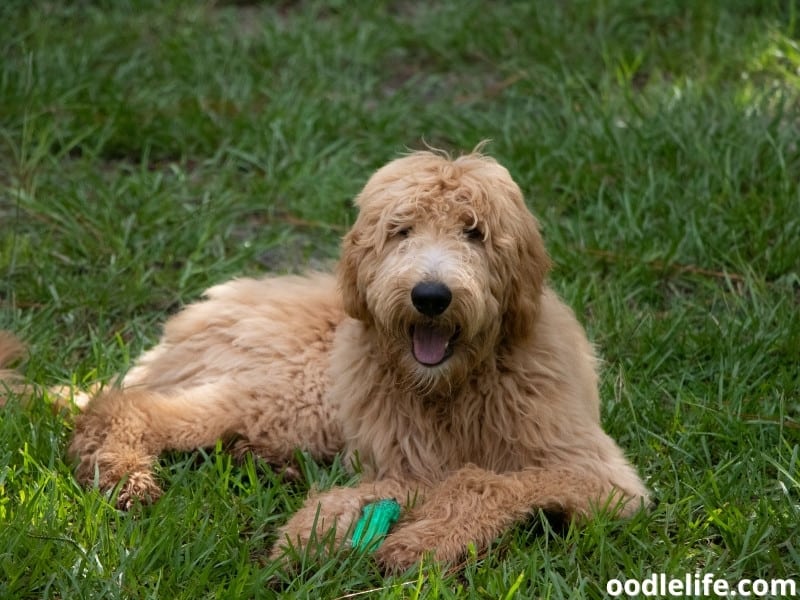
(151, 149)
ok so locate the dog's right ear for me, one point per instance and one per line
(363, 241)
(354, 250)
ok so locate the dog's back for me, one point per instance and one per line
(245, 328)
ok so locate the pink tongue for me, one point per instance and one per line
(430, 344)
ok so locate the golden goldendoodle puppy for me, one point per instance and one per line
(439, 361)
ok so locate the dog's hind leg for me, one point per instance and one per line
(123, 431)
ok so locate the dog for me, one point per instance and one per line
(436, 360)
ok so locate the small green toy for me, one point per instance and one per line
(376, 520)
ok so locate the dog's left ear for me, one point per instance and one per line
(527, 265)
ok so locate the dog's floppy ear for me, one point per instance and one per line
(354, 251)
(528, 270)
(519, 260)
(360, 244)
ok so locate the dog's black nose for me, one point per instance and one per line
(431, 298)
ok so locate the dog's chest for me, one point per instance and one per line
(426, 440)
(471, 434)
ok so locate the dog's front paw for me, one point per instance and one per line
(411, 542)
(138, 487)
(320, 527)
(398, 553)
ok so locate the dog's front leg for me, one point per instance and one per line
(321, 526)
(474, 506)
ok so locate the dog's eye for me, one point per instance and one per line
(402, 232)
(474, 234)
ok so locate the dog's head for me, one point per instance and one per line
(446, 262)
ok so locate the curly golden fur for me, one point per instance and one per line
(441, 362)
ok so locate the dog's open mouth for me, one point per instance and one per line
(431, 345)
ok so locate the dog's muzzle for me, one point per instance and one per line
(431, 342)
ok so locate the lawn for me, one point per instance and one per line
(151, 149)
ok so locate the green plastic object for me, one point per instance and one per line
(376, 520)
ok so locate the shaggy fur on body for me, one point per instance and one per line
(439, 360)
